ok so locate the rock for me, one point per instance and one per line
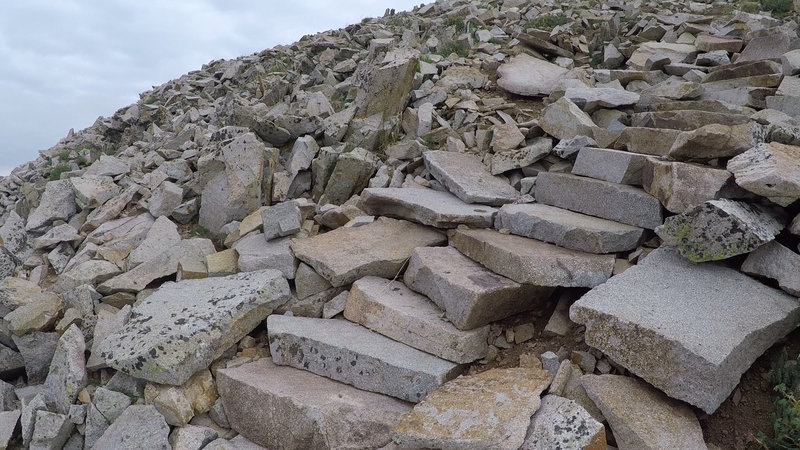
(308, 282)
(57, 203)
(92, 191)
(590, 99)
(106, 407)
(162, 235)
(681, 186)
(222, 264)
(526, 75)
(304, 150)
(108, 322)
(569, 148)
(621, 203)
(15, 292)
(648, 141)
(8, 423)
(138, 427)
(686, 120)
(37, 351)
(562, 423)
(8, 263)
(704, 348)
(466, 177)
(515, 159)
(568, 229)
(771, 46)
(719, 229)
(165, 199)
(471, 295)
(384, 88)
(426, 206)
(281, 220)
(110, 210)
(325, 414)
(771, 170)
(67, 374)
(51, 431)
(706, 43)
(92, 272)
(57, 235)
(488, 410)
(641, 416)
(676, 53)
(11, 363)
(506, 137)
(393, 310)
(209, 316)
(716, 141)
(350, 176)
(39, 314)
(335, 306)
(563, 119)
(610, 165)
(774, 261)
(12, 234)
(191, 437)
(346, 352)
(530, 261)
(108, 166)
(256, 253)
(380, 249)
(179, 404)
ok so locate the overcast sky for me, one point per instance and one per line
(63, 63)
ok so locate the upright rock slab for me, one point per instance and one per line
(703, 345)
(324, 414)
(719, 229)
(530, 261)
(347, 352)
(426, 206)
(395, 311)
(381, 249)
(466, 177)
(488, 410)
(184, 326)
(67, 374)
(470, 294)
(771, 170)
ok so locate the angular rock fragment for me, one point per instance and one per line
(466, 177)
(705, 345)
(51, 430)
(347, 352)
(162, 235)
(647, 141)
(184, 326)
(8, 423)
(138, 427)
(58, 203)
(562, 423)
(681, 186)
(771, 170)
(283, 219)
(719, 229)
(716, 141)
(563, 119)
(591, 99)
(256, 253)
(384, 88)
(426, 206)
(488, 410)
(349, 176)
(504, 161)
(166, 197)
(92, 191)
(773, 260)
(38, 314)
(324, 414)
(526, 75)
(610, 165)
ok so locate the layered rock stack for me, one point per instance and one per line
(342, 243)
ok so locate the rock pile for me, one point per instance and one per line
(323, 245)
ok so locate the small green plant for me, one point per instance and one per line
(546, 22)
(430, 142)
(777, 7)
(55, 174)
(278, 66)
(63, 156)
(457, 22)
(785, 375)
(597, 59)
(110, 151)
(81, 161)
(459, 48)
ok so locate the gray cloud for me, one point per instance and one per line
(66, 63)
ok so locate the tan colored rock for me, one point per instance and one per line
(178, 404)
(223, 263)
(771, 170)
(488, 410)
(648, 141)
(39, 314)
(526, 75)
(565, 120)
(716, 141)
(681, 186)
(677, 53)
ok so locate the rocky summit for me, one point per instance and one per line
(478, 224)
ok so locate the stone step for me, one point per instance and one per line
(530, 261)
(426, 206)
(323, 414)
(703, 343)
(615, 166)
(612, 201)
(470, 294)
(347, 352)
(568, 229)
(397, 312)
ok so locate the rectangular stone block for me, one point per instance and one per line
(426, 206)
(614, 166)
(466, 177)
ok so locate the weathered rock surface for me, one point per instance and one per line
(350, 353)
(466, 177)
(256, 253)
(380, 249)
(562, 423)
(610, 165)
(563, 119)
(681, 186)
(323, 413)
(526, 75)
(58, 203)
(771, 170)
(138, 427)
(184, 326)
(715, 141)
(774, 261)
(426, 206)
(705, 346)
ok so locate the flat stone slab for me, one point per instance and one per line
(612, 201)
(615, 166)
(773, 260)
(526, 75)
(719, 229)
(381, 248)
(771, 170)
(532, 262)
(426, 206)
(305, 410)
(488, 410)
(642, 416)
(466, 177)
(184, 326)
(560, 423)
(568, 229)
(397, 312)
(470, 294)
(347, 352)
(650, 320)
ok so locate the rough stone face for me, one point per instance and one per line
(642, 416)
(470, 294)
(166, 197)
(8, 263)
(716, 141)
(704, 345)
(568, 229)
(561, 423)
(719, 229)
(40, 313)
(37, 351)
(621, 203)
(106, 406)
(426, 206)
(590, 99)
(138, 427)
(771, 170)
(565, 120)
(256, 253)
(92, 191)
(676, 53)
(350, 353)
(191, 437)
(530, 261)
(384, 88)
(466, 177)
(488, 410)
(647, 141)
(610, 165)
(773, 260)
(393, 310)
(526, 75)
(323, 413)
(162, 235)
(503, 161)
(281, 220)
(380, 249)
(67, 372)
(184, 326)
(58, 203)
(681, 186)
(706, 43)
(51, 431)
(350, 176)
(8, 423)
